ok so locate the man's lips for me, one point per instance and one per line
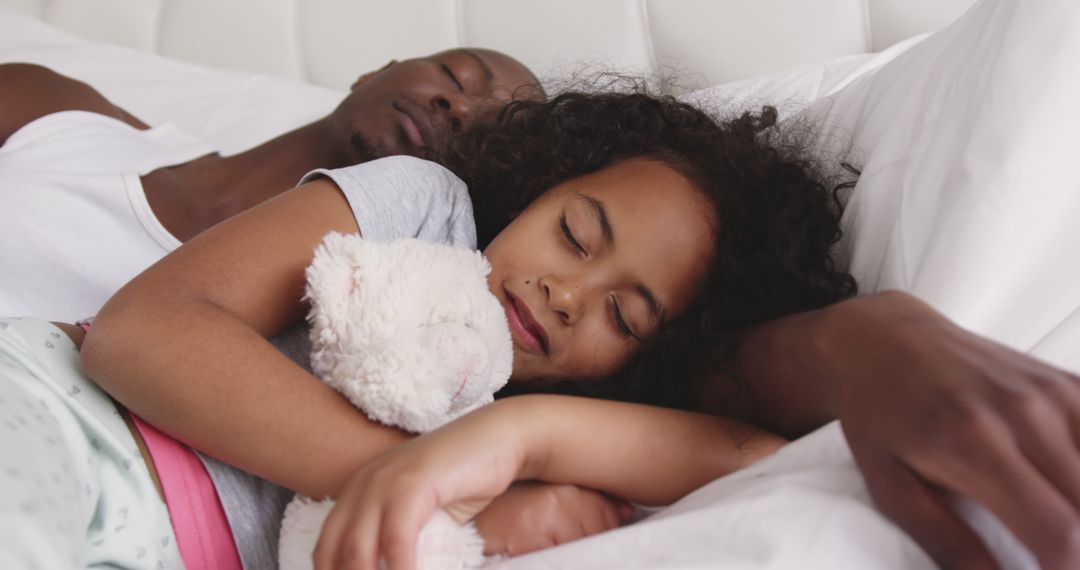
(523, 326)
(416, 123)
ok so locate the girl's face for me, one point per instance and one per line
(596, 265)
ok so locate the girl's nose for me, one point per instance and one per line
(563, 297)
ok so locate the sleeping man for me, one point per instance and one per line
(92, 197)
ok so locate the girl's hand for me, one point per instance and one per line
(649, 455)
(531, 516)
(930, 409)
(460, 468)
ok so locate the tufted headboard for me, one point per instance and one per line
(329, 42)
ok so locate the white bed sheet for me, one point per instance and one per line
(927, 117)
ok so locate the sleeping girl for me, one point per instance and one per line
(625, 233)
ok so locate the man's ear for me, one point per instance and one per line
(371, 74)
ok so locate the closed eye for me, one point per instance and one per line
(620, 322)
(449, 73)
(569, 235)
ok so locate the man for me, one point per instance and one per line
(89, 201)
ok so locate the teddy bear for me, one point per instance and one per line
(409, 332)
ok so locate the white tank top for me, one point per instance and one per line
(74, 221)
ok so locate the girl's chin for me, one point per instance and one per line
(534, 384)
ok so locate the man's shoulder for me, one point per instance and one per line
(33, 91)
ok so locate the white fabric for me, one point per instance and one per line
(229, 110)
(75, 492)
(75, 222)
(327, 41)
(968, 198)
(804, 508)
(792, 90)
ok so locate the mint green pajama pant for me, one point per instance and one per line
(74, 490)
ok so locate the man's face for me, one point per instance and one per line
(412, 106)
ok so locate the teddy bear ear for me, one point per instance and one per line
(332, 284)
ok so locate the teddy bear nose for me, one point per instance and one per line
(466, 357)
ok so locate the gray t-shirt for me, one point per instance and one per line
(392, 198)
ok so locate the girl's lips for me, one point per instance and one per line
(522, 327)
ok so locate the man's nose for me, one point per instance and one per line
(457, 108)
(564, 296)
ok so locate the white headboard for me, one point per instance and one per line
(329, 42)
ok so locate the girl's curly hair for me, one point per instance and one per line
(776, 221)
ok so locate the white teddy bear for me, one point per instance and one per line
(409, 332)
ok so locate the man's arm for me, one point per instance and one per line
(32, 91)
(930, 410)
(783, 384)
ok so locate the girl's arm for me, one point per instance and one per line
(184, 346)
(645, 454)
(929, 410)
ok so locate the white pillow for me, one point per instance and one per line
(791, 90)
(230, 110)
(969, 196)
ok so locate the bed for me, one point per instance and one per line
(222, 63)
(963, 138)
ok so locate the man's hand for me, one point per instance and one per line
(532, 516)
(930, 409)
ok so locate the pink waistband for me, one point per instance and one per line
(202, 531)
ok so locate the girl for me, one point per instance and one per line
(630, 228)
(930, 411)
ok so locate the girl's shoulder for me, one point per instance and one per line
(406, 197)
